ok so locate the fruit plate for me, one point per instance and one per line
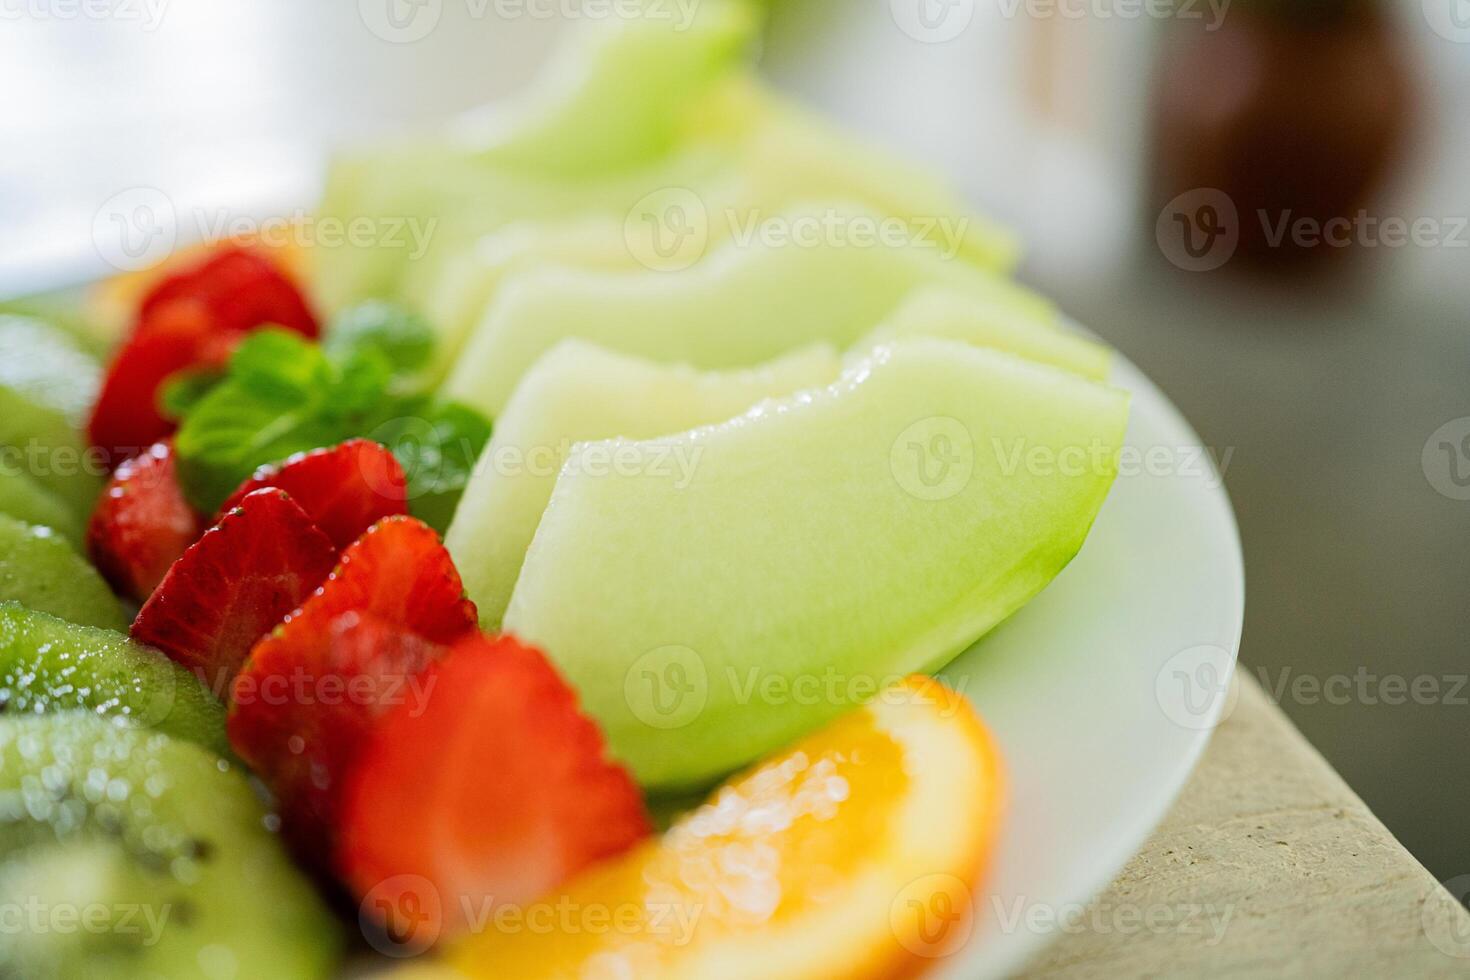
(1104, 689)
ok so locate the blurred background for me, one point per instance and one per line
(1261, 202)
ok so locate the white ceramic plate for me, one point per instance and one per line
(1105, 688)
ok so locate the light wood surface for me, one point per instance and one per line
(1268, 865)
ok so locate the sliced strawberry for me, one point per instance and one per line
(240, 289)
(345, 489)
(495, 790)
(191, 320)
(399, 572)
(234, 585)
(387, 609)
(127, 417)
(142, 523)
(306, 701)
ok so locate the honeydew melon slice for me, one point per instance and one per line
(614, 99)
(749, 301)
(698, 121)
(949, 315)
(578, 392)
(787, 156)
(824, 543)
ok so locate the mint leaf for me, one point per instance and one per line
(282, 394)
(403, 338)
(437, 444)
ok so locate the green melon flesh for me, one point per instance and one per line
(26, 500)
(40, 570)
(579, 392)
(617, 98)
(644, 107)
(744, 304)
(162, 844)
(949, 315)
(869, 529)
(49, 666)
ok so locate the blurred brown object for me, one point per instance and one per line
(1296, 109)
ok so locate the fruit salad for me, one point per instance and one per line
(560, 601)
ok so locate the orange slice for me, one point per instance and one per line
(855, 853)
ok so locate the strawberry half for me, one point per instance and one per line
(234, 585)
(397, 594)
(239, 288)
(345, 489)
(495, 791)
(127, 417)
(307, 700)
(142, 523)
(191, 320)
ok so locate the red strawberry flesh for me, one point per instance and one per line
(496, 791)
(345, 489)
(234, 585)
(142, 523)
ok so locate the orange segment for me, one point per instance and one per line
(854, 853)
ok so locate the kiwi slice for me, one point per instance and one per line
(128, 853)
(49, 367)
(39, 442)
(38, 569)
(49, 665)
(26, 500)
